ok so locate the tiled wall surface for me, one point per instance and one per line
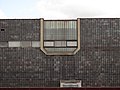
(20, 29)
(97, 64)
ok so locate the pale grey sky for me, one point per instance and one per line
(59, 9)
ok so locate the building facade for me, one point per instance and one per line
(40, 53)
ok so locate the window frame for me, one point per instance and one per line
(43, 48)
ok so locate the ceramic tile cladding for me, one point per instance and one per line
(97, 64)
(19, 29)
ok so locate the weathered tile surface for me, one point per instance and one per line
(97, 64)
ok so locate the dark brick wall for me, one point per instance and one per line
(97, 64)
(20, 29)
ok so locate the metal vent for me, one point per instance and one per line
(70, 83)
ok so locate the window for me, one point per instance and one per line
(25, 43)
(60, 37)
(60, 43)
(70, 83)
(60, 30)
(14, 43)
(48, 43)
(71, 43)
(35, 43)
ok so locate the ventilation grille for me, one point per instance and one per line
(70, 83)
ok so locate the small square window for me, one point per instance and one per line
(35, 43)
(72, 43)
(49, 43)
(25, 43)
(57, 43)
(60, 43)
(14, 43)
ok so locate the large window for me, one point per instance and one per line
(59, 36)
